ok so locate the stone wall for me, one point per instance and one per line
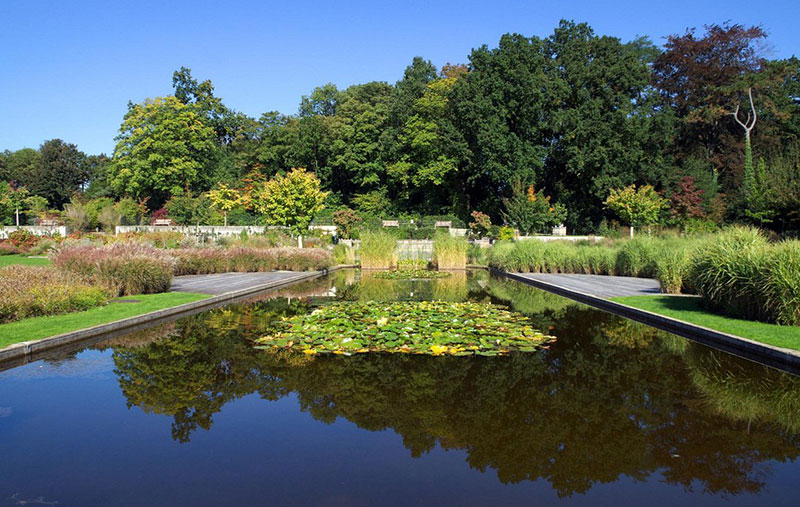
(36, 230)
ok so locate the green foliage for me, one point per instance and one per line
(436, 328)
(163, 147)
(291, 200)
(378, 250)
(636, 207)
(531, 212)
(739, 273)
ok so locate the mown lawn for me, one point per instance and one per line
(7, 260)
(690, 310)
(42, 327)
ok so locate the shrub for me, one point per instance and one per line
(346, 221)
(123, 268)
(22, 239)
(27, 291)
(477, 255)
(378, 250)
(449, 252)
(480, 225)
(505, 233)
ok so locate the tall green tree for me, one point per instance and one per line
(291, 200)
(60, 172)
(163, 148)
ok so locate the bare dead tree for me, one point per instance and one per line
(750, 121)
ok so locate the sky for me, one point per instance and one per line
(69, 68)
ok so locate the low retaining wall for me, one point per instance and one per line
(192, 230)
(560, 238)
(776, 357)
(36, 230)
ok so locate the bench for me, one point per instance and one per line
(162, 222)
(48, 223)
(447, 224)
(391, 223)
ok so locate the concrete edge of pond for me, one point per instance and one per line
(776, 357)
(24, 352)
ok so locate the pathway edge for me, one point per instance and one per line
(776, 357)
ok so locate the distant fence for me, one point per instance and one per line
(36, 230)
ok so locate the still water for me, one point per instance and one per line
(189, 413)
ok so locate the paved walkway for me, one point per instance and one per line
(226, 282)
(600, 285)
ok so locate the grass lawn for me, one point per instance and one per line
(689, 309)
(42, 327)
(7, 260)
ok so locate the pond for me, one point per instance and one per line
(191, 413)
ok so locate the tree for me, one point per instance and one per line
(748, 124)
(163, 147)
(699, 78)
(14, 198)
(636, 207)
(20, 164)
(224, 199)
(290, 200)
(531, 211)
(346, 221)
(322, 101)
(686, 201)
(60, 173)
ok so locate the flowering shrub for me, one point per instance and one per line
(194, 261)
(22, 239)
(28, 291)
(123, 268)
(346, 221)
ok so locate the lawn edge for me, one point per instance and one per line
(776, 357)
(24, 352)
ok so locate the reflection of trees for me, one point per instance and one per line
(590, 409)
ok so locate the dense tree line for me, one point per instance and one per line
(574, 114)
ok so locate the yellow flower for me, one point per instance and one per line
(438, 349)
(310, 352)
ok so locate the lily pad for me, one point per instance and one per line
(423, 327)
(411, 274)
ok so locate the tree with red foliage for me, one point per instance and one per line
(702, 79)
(686, 201)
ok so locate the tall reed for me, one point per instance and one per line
(449, 252)
(378, 250)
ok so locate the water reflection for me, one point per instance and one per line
(610, 398)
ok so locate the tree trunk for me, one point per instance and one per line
(299, 241)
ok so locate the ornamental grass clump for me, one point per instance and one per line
(780, 284)
(729, 271)
(636, 257)
(449, 252)
(122, 268)
(200, 261)
(28, 291)
(378, 250)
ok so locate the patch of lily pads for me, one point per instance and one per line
(411, 274)
(422, 327)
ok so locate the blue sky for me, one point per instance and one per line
(68, 69)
